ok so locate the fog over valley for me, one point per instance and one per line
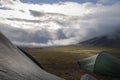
(62, 23)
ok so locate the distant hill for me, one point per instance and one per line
(102, 41)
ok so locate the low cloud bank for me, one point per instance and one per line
(57, 24)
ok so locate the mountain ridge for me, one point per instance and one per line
(102, 41)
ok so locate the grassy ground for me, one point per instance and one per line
(62, 61)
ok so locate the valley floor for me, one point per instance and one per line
(62, 61)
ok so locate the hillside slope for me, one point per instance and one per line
(102, 41)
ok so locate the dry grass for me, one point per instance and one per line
(62, 61)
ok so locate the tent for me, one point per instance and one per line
(102, 63)
(17, 65)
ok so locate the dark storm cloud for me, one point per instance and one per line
(60, 34)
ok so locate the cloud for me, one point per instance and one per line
(108, 2)
(59, 23)
(67, 8)
(5, 8)
(36, 13)
(9, 2)
(103, 1)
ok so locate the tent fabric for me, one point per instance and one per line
(27, 54)
(102, 63)
(88, 63)
(15, 65)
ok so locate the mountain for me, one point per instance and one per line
(102, 41)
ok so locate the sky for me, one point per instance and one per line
(55, 22)
(56, 1)
(78, 1)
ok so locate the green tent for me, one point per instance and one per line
(102, 63)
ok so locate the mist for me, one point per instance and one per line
(55, 24)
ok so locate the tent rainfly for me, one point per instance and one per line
(17, 65)
(102, 63)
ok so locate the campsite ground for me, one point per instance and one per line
(62, 61)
